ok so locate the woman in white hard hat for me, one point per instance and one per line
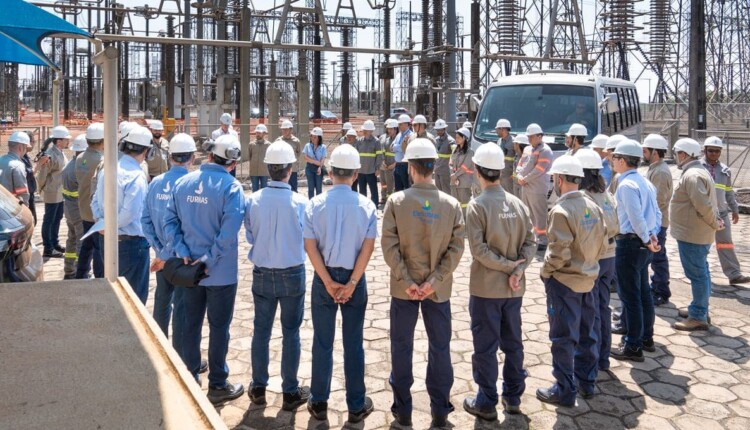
(315, 155)
(49, 179)
(462, 168)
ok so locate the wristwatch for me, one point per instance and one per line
(354, 282)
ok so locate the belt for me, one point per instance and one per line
(628, 236)
(125, 237)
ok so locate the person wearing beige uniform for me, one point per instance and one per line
(389, 160)
(445, 144)
(50, 182)
(523, 152)
(288, 137)
(422, 242)
(371, 156)
(462, 169)
(159, 163)
(419, 130)
(505, 142)
(258, 171)
(502, 245)
(534, 182)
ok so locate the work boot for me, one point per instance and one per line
(619, 329)
(225, 393)
(296, 399)
(439, 421)
(404, 420)
(358, 416)
(742, 279)
(257, 395)
(318, 410)
(552, 396)
(487, 414)
(511, 409)
(683, 313)
(625, 352)
(52, 253)
(690, 324)
(204, 366)
(69, 276)
(648, 345)
(660, 300)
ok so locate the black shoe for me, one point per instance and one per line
(616, 315)
(586, 394)
(53, 253)
(404, 420)
(619, 329)
(648, 345)
(60, 249)
(550, 395)
(624, 352)
(69, 277)
(742, 279)
(511, 409)
(226, 393)
(294, 400)
(318, 410)
(487, 414)
(660, 300)
(204, 366)
(439, 421)
(683, 313)
(257, 395)
(357, 417)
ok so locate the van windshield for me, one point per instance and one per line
(553, 107)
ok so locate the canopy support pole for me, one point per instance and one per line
(56, 98)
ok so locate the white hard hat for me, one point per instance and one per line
(566, 165)
(156, 125)
(347, 126)
(533, 129)
(60, 132)
(95, 131)
(420, 149)
(227, 146)
(121, 125)
(79, 143)
(280, 152)
(140, 136)
(404, 118)
(345, 157)
(419, 119)
(286, 124)
(317, 131)
(577, 130)
(589, 158)
(261, 128)
(613, 141)
(489, 156)
(467, 124)
(599, 141)
(391, 123)
(351, 132)
(465, 132)
(655, 141)
(20, 137)
(368, 126)
(181, 143)
(689, 146)
(713, 142)
(521, 139)
(226, 118)
(502, 123)
(127, 128)
(440, 124)
(631, 148)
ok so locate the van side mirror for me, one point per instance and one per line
(610, 104)
(474, 102)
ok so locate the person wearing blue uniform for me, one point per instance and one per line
(599, 145)
(401, 172)
(340, 232)
(203, 219)
(132, 187)
(274, 219)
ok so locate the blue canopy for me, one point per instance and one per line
(23, 26)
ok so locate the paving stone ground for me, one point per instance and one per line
(693, 380)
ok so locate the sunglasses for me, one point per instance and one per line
(617, 157)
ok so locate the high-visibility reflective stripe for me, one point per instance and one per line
(71, 255)
(539, 231)
(463, 205)
(509, 158)
(723, 187)
(724, 246)
(466, 169)
(540, 168)
(541, 160)
(390, 154)
(444, 155)
(368, 154)
(70, 193)
(20, 191)
(514, 176)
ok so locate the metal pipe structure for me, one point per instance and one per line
(450, 96)
(56, 98)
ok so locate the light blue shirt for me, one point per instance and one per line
(159, 193)
(203, 220)
(132, 188)
(317, 154)
(274, 219)
(606, 171)
(340, 220)
(398, 153)
(637, 209)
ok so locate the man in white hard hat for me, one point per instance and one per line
(340, 232)
(423, 240)
(70, 208)
(726, 201)
(502, 245)
(293, 141)
(370, 157)
(257, 168)
(86, 165)
(654, 150)
(523, 153)
(577, 241)
(610, 146)
(534, 182)
(351, 137)
(12, 169)
(505, 142)
(419, 128)
(640, 222)
(401, 171)
(575, 138)
(203, 218)
(225, 127)
(389, 160)
(159, 163)
(599, 145)
(49, 181)
(445, 144)
(274, 226)
(694, 218)
(344, 129)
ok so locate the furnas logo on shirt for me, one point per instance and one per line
(427, 206)
(505, 207)
(507, 214)
(425, 215)
(165, 195)
(199, 191)
(168, 187)
(588, 221)
(587, 213)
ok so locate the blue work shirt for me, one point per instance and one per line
(274, 218)
(398, 153)
(637, 209)
(340, 220)
(316, 154)
(606, 171)
(132, 188)
(159, 193)
(203, 220)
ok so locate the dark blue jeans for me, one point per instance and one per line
(323, 310)
(631, 263)
(314, 181)
(258, 182)
(133, 265)
(168, 302)
(694, 260)
(53, 213)
(271, 288)
(496, 323)
(218, 302)
(439, 380)
(660, 267)
(401, 176)
(293, 181)
(371, 181)
(90, 250)
(575, 349)
(603, 324)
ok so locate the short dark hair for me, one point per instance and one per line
(131, 148)
(631, 161)
(592, 181)
(578, 139)
(489, 175)
(572, 179)
(278, 172)
(181, 157)
(220, 160)
(342, 173)
(662, 152)
(424, 167)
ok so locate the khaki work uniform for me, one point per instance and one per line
(425, 135)
(49, 176)
(506, 178)
(445, 145)
(519, 162)
(462, 176)
(370, 157)
(257, 154)
(72, 217)
(661, 177)
(386, 169)
(534, 192)
(86, 165)
(160, 162)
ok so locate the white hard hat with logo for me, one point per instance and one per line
(713, 142)
(226, 146)
(489, 156)
(95, 131)
(599, 141)
(261, 128)
(589, 158)
(286, 124)
(156, 125)
(503, 123)
(345, 157)
(655, 141)
(140, 136)
(689, 146)
(351, 132)
(577, 130)
(630, 148)
(280, 152)
(226, 118)
(181, 143)
(420, 149)
(613, 141)
(368, 126)
(60, 132)
(20, 137)
(347, 126)
(79, 143)
(419, 119)
(566, 165)
(534, 129)
(440, 124)
(317, 131)
(404, 118)
(521, 139)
